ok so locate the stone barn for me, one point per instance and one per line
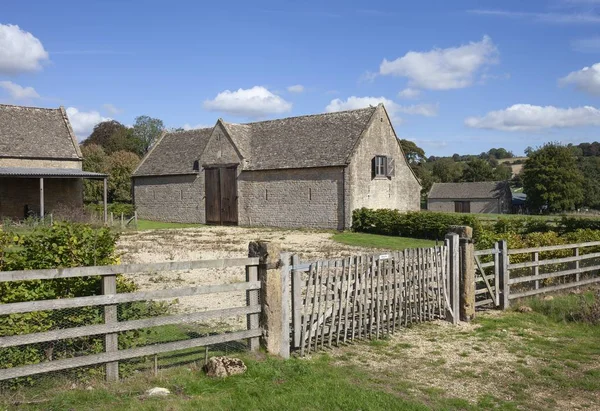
(308, 171)
(40, 163)
(479, 197)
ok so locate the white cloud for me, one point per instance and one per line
(20, 51)
(188, 126)
(527, 117)
(111, 109)
(587, 79)
(409, 93)
(83, 122)
(18, 92)
(297, 88)
(253, 102)
(393, 108)
(443, 69)
(427, 110)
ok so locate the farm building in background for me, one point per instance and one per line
(40, 163)
(480, 197)
(308, 171)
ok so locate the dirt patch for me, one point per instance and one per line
(217, 243)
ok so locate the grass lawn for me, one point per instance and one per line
(159, 225)
(541, 360)
(380, 241)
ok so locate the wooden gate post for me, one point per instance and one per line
(453, 275)
(111, 341)
(467, 271)
(504, 276)
(296, 302)
(273, 273)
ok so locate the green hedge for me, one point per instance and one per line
(526, 225)
(62, 245)
(115, 208)
(415, 224)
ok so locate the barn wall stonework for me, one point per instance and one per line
(401, 192)
(60, 195)
(177, 199)
(219, 150)
(291, 198)
(31, 163)
(477, 205)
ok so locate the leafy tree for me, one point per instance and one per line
(590, 167)
(414, 154)
(447, 170)
(147, 130)
(503, 172)
(121, 165)
(552, 179)
(478, 170)
(124, 140)
(102, 133)
(94, 160)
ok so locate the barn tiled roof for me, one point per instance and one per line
(175, 153)
(31, 132)
(299, 142)
(478, 190)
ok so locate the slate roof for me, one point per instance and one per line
(31, 132)
(175, 153)
(457, 191)
(318, 140)
(48, 172)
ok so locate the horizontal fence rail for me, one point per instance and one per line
(107, 303)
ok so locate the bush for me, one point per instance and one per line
(570, 224)
(62, 245)
(415, 224)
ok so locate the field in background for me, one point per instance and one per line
(541, 360)
(380, 241)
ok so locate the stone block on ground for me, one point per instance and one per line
(221, 367)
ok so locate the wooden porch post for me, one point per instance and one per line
(41, 198)
(105, 201)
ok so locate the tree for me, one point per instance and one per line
(94, 160)
(590, 167)
(503, 172)
(447, 170)
(414, 154)
(121, 165)
(102, 133)
(124, 140)
(478, 170)
(552, 179)
(147, 130)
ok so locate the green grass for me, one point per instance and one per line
(159, 225)
(380, 241)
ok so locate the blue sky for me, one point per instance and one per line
(456, 76)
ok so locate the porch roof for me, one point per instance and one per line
(26, 172)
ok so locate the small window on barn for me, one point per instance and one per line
(379, 166)
(196, 165)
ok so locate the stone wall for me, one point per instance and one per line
(23, 162)
(178, 199)
(60, 195)
(401, 192)
(310, 198)
(219, 150)
(477, 205)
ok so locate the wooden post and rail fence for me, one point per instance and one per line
(303, 307)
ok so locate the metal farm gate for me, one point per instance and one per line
(368, 297)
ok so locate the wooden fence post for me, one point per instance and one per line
(467, 271)
(296, 302)
(111, 341)
(504, 276)
(273, 273)
(453, 275)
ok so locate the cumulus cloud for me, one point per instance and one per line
(111, 109)
(409, 93)
(18, 92)
(393, 108)
(253, 102)
(527, 117)
(443, 69)
(297, 88)
(83, 122)
(587, 79)
(20, 51)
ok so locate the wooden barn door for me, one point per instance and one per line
(221, 195)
